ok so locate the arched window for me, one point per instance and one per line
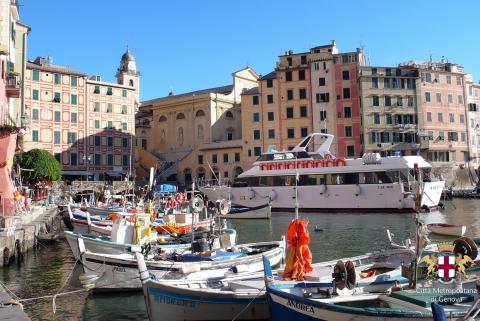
(229, 114)
(200, 132)
(200, 113)
(162, 136)
(162, 119)
(180, 136)
(131, 82)
(180, 116)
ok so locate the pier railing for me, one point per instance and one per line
(212, 182)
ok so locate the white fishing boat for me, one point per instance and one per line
(114, 272)
(78, 221)
(243, 297)
(447, 229)
(258, 212)
(104, 210)
(329, 183)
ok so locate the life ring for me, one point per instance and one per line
(342, 161)
(171, 203)
(319, 163)
(309, 164)
(181, 198)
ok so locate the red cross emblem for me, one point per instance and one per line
(446, 266)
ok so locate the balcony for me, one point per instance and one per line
(13, 85)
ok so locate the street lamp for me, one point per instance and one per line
(88, 159)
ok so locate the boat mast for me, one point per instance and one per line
(297, 177)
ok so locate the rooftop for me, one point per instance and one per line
(270, 75)
(220, 90)
(47, 65)
(251, 91)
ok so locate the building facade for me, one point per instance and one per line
(185, 128)
(473, 123)
(86, 123)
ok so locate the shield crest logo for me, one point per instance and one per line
(446, 266)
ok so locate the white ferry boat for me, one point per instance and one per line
(325, 182)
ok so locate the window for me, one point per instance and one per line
(73, 118)
(323, 115)
(439, 97)
(289, 112)
(34, 114)
(56, 97)
(375, 101)
(304, 132)
(124, 109)
(98, 159)
(289, 94)
(200, 159)
(348, 131)
(256, 117)
(73, 159)
(303, 60)
(288, 76)
(124, 93)
(429, 116)
(71, 138)
(321, 81)
(124, 126)
(346, 93)
(323, 97)
(303, 93)
(374, 82)
(110, 160)
(388, 119)
(110, 124)
(98, 140)
(97, 123)
(73, 99)
(301, 74)
(35, 135)
(269, 83)
(388, 101)
(271, 133)
(452, 117)
(291, 132)
(269, 99)
(430, 135)
(35, 94)
(97, 89)
(110, 108)
(125, 160)
(237, 157)
(450, 98)
(271, 116)
(255, 100)
(347, 112)
(399, 101)
(229, 136)
(56, 137)
(463, 136)
(376, 118)
(110, 141)
(214, 158)
(449, 79)
(459, 81)
(225, 158)
(410, 101)
(257, 151)
(350, 151)
(35, 75)
(440, 117)
(386, 83)
(427, 97)
(96, 106)
(57, 78)
(109, 91)
(57, 116)
(73, 81)
(124, 142)
(460, 99)
(303, 111)
(462, 119)
(256, 134)
(345, 75)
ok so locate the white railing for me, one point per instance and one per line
(201, 182)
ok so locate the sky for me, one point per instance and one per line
(193, 45)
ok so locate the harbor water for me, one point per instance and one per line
(52, 269)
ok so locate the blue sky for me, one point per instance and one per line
(191, 45)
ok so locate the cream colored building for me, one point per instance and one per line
(197, 133)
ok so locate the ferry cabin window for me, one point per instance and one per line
(374, 178)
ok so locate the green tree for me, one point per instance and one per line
(43, 165)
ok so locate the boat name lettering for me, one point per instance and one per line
(119, 269)
(300, 306)
(384, 186)
(174, 301)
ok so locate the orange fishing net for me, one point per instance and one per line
(300, 259)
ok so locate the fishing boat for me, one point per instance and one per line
(447, 229)
(114, 272)
(258, 212)
(326, 182)
(77, 220)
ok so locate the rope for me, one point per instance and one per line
(249, 303)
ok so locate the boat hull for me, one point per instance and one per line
(447, 229)
(169, 303)
(261, 212)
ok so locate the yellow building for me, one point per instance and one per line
(196, 134)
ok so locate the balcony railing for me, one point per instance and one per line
(13, 85)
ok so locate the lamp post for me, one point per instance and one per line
(88, 159)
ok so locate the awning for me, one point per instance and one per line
(76, 173)
(114, 174)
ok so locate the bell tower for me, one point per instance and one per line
(128, 75)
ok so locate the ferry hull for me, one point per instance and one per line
(330, 197)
